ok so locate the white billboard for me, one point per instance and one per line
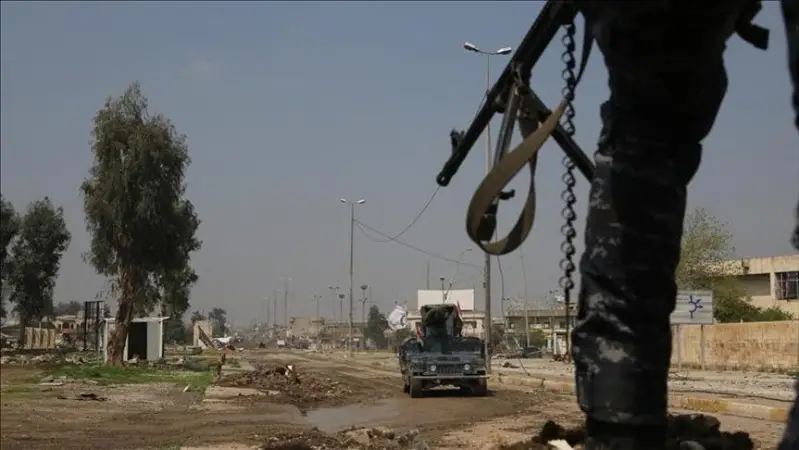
(693, 307)
(464, 297)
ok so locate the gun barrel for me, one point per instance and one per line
(541, 33)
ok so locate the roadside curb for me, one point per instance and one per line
(702, 404)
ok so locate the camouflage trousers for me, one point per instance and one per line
(667, 81)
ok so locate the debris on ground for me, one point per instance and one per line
(566, 358)
(45, 358)
(84, 396)
(378, 438)
(303, 391)
(682, 429)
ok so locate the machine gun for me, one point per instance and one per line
(513, 97)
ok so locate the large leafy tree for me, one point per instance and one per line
(175, 291)
(218, 318)
(142, 227)
(9, 227)
(376, 326)
(706, 246)
(35, 260)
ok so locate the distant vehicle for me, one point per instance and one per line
(440, 356)
(281, 343)
(532, 352)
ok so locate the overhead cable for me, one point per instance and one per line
(362, 227)
(414, 220)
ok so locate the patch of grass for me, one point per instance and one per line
(233, 363)
(108, 375)
(24, 392)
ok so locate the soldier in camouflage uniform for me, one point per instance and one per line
(667, 81)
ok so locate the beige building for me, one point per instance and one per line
(769, 281)
(305, 326)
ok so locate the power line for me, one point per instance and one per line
(413, 221)
(362, 227)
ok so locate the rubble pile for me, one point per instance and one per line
(282, 381)
(682, 429)
(46, 358)
(379, 438)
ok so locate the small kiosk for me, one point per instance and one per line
(145, 339)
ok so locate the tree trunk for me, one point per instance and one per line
(127, 298)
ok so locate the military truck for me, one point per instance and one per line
(440, 356)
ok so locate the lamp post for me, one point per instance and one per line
(352, 263)
(286, 281)
(334, 293)
(468, 46)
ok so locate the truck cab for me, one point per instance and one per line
(440, 356)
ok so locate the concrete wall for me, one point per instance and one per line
(40, 338)
(205, 325)
(750, 346)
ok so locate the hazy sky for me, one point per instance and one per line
(290, 106)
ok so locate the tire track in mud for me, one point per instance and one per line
(441, 412)
(527, 408)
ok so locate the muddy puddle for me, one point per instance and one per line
(333, 420)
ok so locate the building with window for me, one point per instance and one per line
(464, 298)
(771, 281)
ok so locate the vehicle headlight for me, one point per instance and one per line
(467, 367)
(432, 368)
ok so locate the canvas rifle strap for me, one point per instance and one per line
(511, 164)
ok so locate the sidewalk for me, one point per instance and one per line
(734, 399)
(771, 410)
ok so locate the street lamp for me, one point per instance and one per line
(352, 263)
(286, 281)
(473, 48)
(334, 293)
(468, 46)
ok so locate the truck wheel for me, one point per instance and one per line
(480, 388)
(416, 388)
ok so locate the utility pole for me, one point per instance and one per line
(334, 293)
(286, 305)
(526, 302)
(487, 271)
(268, 311)
(364, 299)
(427, 276)
(350, 350)
(443, 292)
(341, 308)
(274, 307)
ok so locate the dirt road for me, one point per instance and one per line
(333, 397)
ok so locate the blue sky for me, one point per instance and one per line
(290, 106)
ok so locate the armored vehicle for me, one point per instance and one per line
(440, 356)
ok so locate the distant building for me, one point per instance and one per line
(464, 298)
(771, 281)
(305, 326)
